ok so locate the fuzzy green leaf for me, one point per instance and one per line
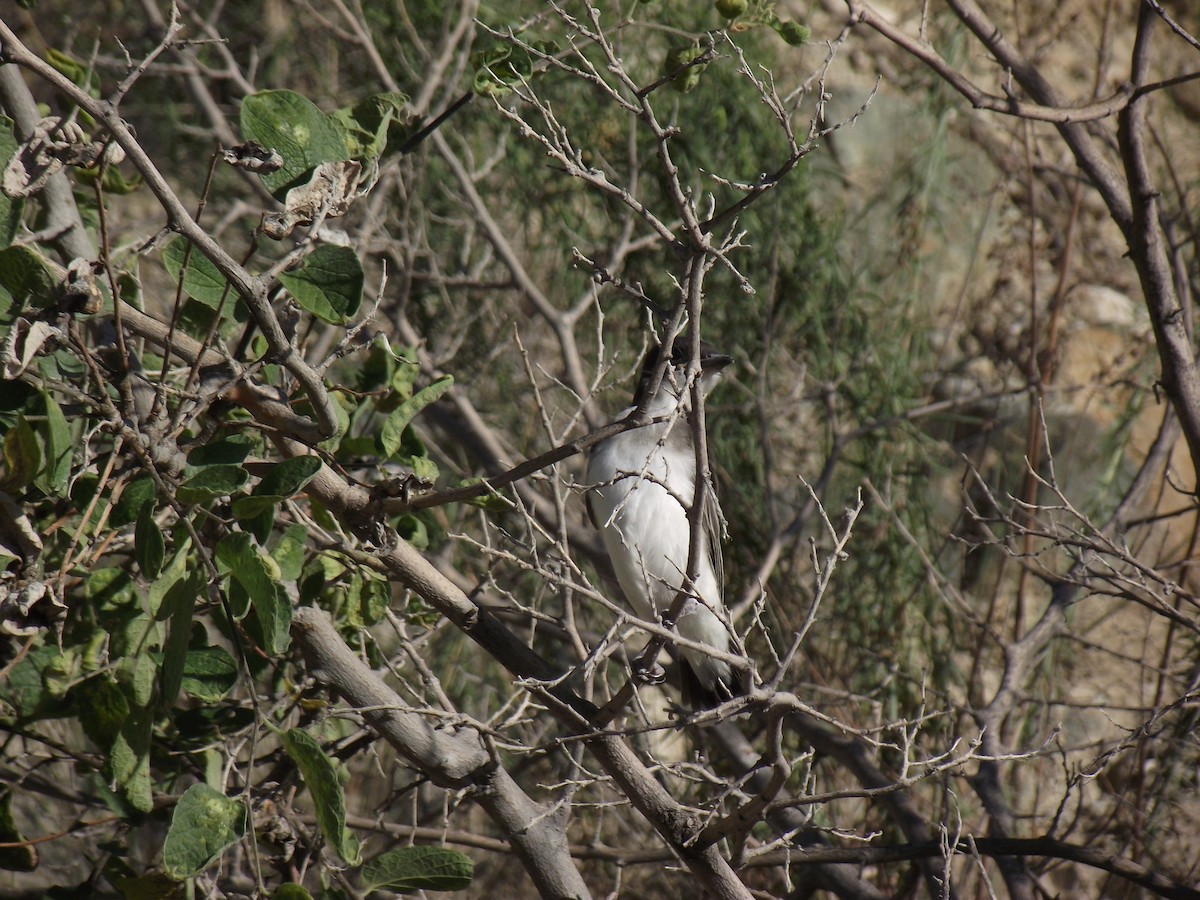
(103, 708)
(130, 760)
(228, 451)
(328, 283)
(133, 499)
(202, 281)
(369, 123)
(149, 546)
(258, 575)
(205, 823)
(400, 418)
(408, 869)
(28, 277)
(22, 455)
(289, 552)
(178, 606)
(320, 777)
(59, 448)
(209, 674)
(292, 124)
(212, 482)
(285, 480)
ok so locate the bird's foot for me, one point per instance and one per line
(651, 674)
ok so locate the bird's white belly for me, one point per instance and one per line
(646, 530)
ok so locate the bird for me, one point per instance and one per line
(641, 484)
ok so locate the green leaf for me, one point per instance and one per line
(212, 482)
(78, 72)
(289, 553)
(137, 675)
(149, 547)
(424, 468)
(155, 886)
(290, 891)
(60, 673)
(8, 310)
(408, 869)
(178, 607)
(238, 600)
(493, 501)
(291, 124)
(159, 590)
(15, 859)
(413, 530)
(285, 480)
(204, 824)
(289, 477)
(28, 276)
(209, 674)
(259, 524)
(258, 574)
(110, 589)
(22, 455)
(402, 416)
(133, 499)
(130, 760)
(228, 451)
(103, 709)
(10, 210)
(59, 448)
(112, 180)
(202, 281)
(119, 609)
(731, 9)
(328, 283)
(250, 507)
(25, 690)
(272, 619)
(369, 122)
(406, 372)
(342, 419)
(321, 779)
(374, 599)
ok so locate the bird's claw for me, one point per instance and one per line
(651, 674)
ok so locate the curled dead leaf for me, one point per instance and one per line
(29, 607)
(24, 342)
(253, 157)
(327, 194)
(54, 144)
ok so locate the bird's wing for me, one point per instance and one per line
(713, 523)
(589, 500)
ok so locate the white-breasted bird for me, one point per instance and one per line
(643, 482)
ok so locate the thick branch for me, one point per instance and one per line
(62, 215)
(451, 758)
(1147, 247)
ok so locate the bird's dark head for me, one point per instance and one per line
(675, 376)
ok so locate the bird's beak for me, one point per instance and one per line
(715, 362)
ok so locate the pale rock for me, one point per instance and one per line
(1100, 306)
